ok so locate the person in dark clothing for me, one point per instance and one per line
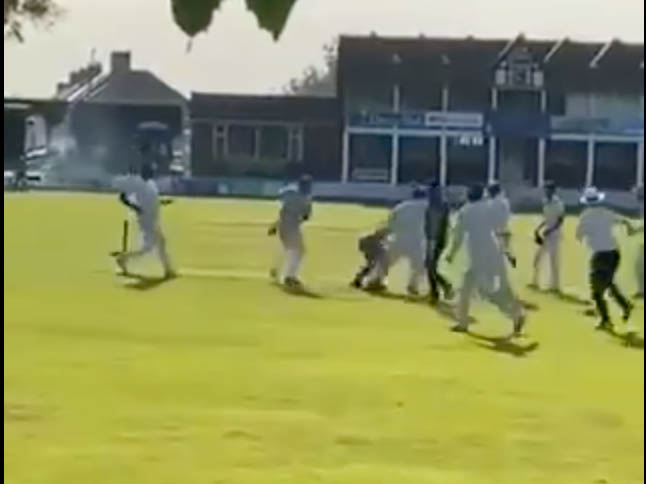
(596, 227)
(373, 247)
(437, 223)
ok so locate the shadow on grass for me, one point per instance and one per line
(443, 309)
(139, 282)
(303, 291)
(628, 340)
(562, 296)
(504, 345)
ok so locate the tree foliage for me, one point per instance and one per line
(16, 12)
(191, 16)
(317, 81)
(195, 16)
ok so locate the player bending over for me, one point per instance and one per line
(549, 237)
(296, 208)
(374, 248)
(487, 270)
(596, 227)
(140, 194)
(436, 227)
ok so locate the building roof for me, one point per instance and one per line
(135, 87)
(263, 108)
(567, 63)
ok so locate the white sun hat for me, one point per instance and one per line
(592, 196)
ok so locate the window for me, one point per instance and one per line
(468, 163)
(274, 142)
(219, 141)
(370, 158)
(242, 141)
(615, 166)
(419, 159)
(296, 146)
(566, 163)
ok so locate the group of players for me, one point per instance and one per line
(418, 231)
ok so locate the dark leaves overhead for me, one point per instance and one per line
(195, 16)
(272, 15)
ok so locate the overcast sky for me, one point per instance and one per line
(237, 57)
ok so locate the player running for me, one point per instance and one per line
(549, 237)
(487, 270)
(140, 194)
(296, 208)
(436, 227)
(596, 227)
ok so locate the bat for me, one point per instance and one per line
(124, 239)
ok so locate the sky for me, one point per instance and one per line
(236, 57)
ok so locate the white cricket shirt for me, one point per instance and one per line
(553, 211)
(144, 192)
(596, 228)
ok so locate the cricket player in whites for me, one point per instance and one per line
(487, 270)
(296, 208)
(501, 212)
(549, 237)
(406, 226)
(596, 227)
(140, 194)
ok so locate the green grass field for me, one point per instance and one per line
(221, 378)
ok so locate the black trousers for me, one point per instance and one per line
(436, 281)
(603, 270)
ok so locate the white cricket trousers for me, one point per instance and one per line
(152, 238)
(551, 248)
(493, 284)
(414, 252)
(294, 249)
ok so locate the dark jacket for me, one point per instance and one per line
(437, 224)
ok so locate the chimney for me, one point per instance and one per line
(120, 63)
(61, 87)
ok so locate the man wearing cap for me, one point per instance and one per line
(549, 236)
(406, 227)
(487, 270)
(596, 228)
(296, 208)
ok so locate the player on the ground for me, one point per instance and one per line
(406, 226)
(487, 270)
(296, 208)
(501, 210)
(436, 227)
(549, 237)
(375, 251)
(140, 194)
(596, 227)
